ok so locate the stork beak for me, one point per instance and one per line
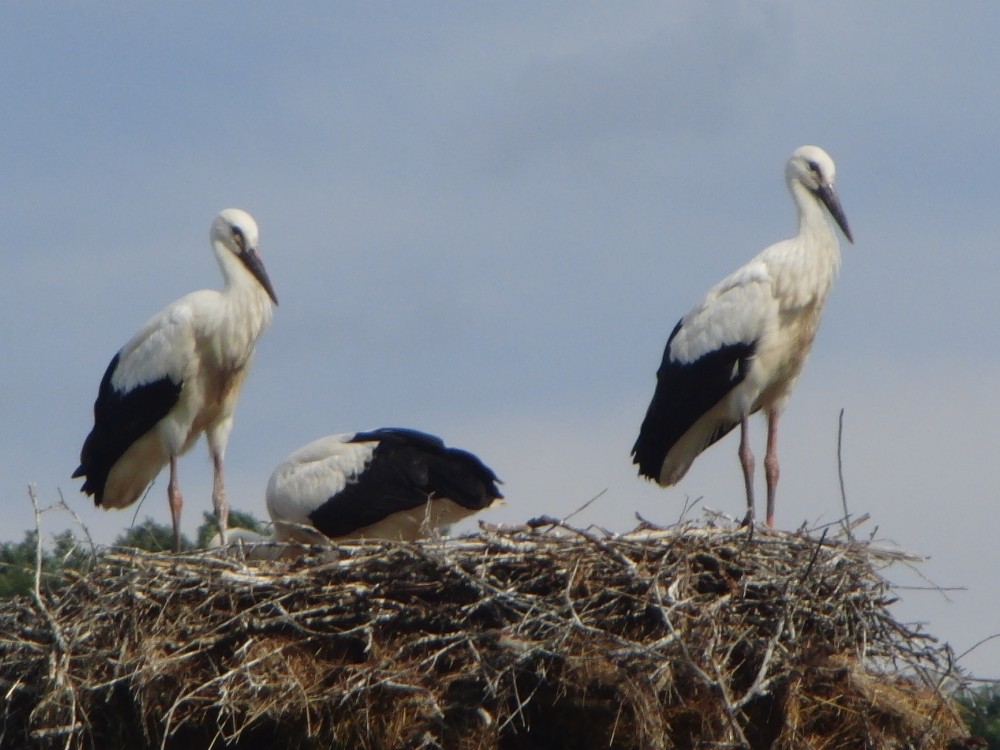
(256, 266)
(829, 197)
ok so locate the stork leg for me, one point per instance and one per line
(747, 461)
(219, 500)
(176, 502)
(771, 464)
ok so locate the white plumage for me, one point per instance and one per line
(308, 478)
(742, 349)
(390, 483)
(253, 546)
(179, 377)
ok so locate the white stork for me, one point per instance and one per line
(178, 377)
(742, 348)
(390, 483)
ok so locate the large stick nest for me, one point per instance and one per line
(532, 637)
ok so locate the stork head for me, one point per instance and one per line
(812, 167)
(235, 231)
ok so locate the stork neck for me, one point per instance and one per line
(244, 313)
(237, 281)
(803, 267)
(814, 224)
(241, 290)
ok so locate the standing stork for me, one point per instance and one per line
(742, 348)
(390, 483)
(178, 377)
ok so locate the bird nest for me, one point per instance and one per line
(538, 636)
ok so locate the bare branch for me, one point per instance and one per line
(626, 637)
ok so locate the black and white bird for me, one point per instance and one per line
(742, 348)
(389, 483)
(179, 377)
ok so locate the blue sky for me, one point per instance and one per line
(484, 221)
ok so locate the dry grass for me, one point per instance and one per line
(531, 637)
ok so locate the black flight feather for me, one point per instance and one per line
(684, 393)
(407, 468)
(120, 419)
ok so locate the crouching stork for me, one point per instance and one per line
(389, 483)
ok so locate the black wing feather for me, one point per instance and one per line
(407, 469)
(119, 420)
(684, 392)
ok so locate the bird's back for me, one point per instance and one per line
(344, 484)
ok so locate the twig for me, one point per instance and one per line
(63, 505)
(584, 506)
(59, 656)
(840, 475)
(407, 637)
(36, 590)
(976, 645)
(812, 560)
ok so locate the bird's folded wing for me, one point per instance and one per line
(166, 347)
(737, 311)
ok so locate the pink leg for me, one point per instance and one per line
(747, 461)
(176, 502)
(219, 501)
(771, 464)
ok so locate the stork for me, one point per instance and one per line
(179, 377)
(389, 483)
(742, 348)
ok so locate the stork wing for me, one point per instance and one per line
(407, 469)
(735, 311)
(140, 386)
(312, 474)
(707, 355)
(449, 472)
(166, 347)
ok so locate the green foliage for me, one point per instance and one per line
(151, 537)
(981, 710)
(157, 537)
(18, 562)
(65, 552)
(237, 519)
(17, 566)
(69, 552)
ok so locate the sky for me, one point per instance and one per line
(483, 221)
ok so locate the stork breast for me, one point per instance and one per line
(220, 389)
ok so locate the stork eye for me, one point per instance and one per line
(814, 167)
(241, 240)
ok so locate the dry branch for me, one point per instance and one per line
(528, 637)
